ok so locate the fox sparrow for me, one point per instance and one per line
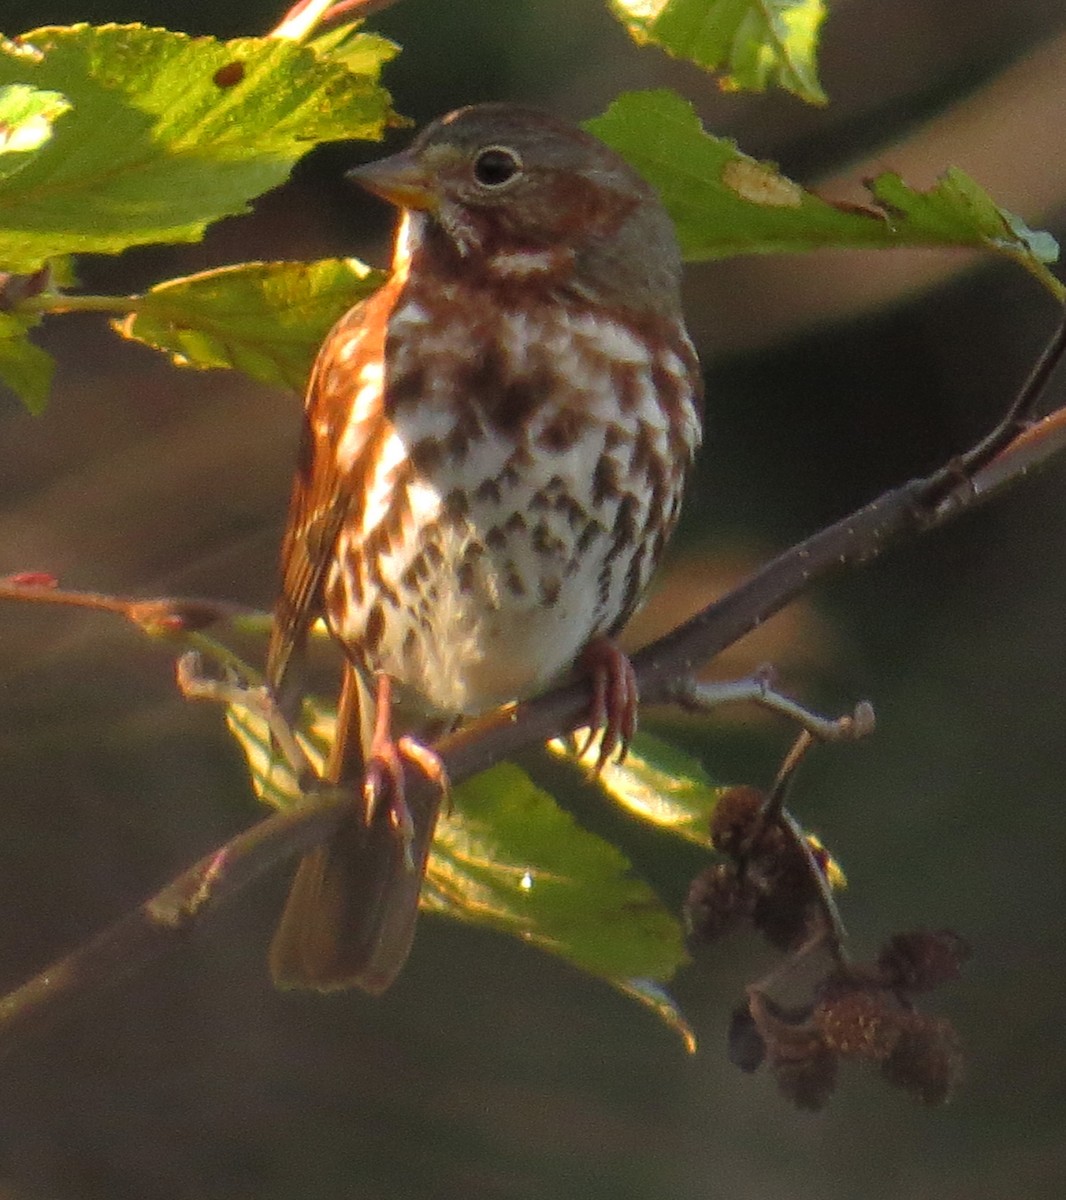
(493, 456)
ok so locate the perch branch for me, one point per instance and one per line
(1007, 454)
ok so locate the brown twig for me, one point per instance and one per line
(355, 10)
(183, 904)
(301, 20)
(832, 932)
(160, 614)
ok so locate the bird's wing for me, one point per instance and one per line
(340, 417)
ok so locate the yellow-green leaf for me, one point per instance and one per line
(27, 116)
(362, 53)
(751, 42)
(657, 782)
(506, 856)
(166, 133)
(265, 319)
(725, 203)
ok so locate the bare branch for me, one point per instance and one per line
(694, 694)
(164, 614)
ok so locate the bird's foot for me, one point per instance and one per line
(615, 697)
(384, 785)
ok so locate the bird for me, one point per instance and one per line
(493, 454)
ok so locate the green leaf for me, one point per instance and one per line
(265, 319)
(27, 116)
(25, 368)
(657, 782)
(272, 777)
(506, 856)
(753, 42)
(166, 134)
(361, 53)
(725, 203)
(958, 211)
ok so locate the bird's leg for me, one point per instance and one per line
(613, 711)
(383, 782)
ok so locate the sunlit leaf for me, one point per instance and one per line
(166, 133)
(265, 319)
(725, 203)
(27, 116)
(506, 856)
(752, 42)
(362, 53)
(510, 857)
(657, 782)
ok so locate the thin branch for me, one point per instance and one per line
(692, 693)
(1019, 416)
(187, 902)
(774, 812)
(61, 302)
(158, 615)
(306, 16)
(355, 10)
(300, 21)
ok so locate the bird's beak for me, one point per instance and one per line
(401, 179)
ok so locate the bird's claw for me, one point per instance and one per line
(615, 698)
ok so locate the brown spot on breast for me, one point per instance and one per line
(457, 504)
(514, 582)
(546, 542)
(375, 629)
(644, 456)
(588, 535)
(603, 590)
(488, 491)
(417, 570)
(634, 585)
(563, 430)
(518, 400)
(657, 504)
(550, 587)
(426, 456)
(604, 480)
(457, 442)
(571, 508)
(627, 382)
(505, 400)
(406, 388)
(624, 532)
(375, 579)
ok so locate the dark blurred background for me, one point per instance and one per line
(491, 1070)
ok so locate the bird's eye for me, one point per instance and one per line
(495, 166)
